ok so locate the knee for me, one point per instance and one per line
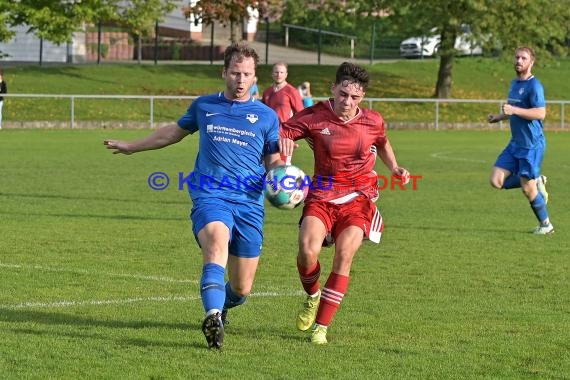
(496, 182)
(308, 254)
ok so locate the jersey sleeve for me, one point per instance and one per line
(296, 101)
(537, 99)
(189, 121)
(271, 145)
(296, 128)
(380, 128)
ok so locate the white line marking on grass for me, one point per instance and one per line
(87, 272)
(59, 304)
(125, 301)
(443, 156)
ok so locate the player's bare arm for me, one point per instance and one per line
(162, 137)
(538, 113)
(494, 118)
(388, 157)
(272, 161)
(287, 146)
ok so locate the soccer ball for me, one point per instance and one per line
(285, 186)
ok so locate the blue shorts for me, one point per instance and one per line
(522, 162)
(245, 222)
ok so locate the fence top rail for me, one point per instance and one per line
(192, 97)
(437, 100)
(85, 96)
(319, 31)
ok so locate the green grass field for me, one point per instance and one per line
(99, 273)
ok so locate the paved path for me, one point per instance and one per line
(276, 53)
(270, 54)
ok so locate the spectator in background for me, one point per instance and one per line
(305, 92)
(282, 96)
(254, 90)
(3, 90)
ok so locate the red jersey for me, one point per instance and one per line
(344, 151)
(286, 102)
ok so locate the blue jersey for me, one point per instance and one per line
(526, 134)
(234, 138)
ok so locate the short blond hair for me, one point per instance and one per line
(529, 50)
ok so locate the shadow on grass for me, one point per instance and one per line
(53, 318)
(191, 336)
(93, 198)
(94, 216)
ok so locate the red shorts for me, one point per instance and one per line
(360, 212)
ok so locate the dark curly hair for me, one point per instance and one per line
(352, 74)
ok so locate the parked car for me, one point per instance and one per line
(428, 46)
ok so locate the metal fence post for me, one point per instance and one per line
(152, 112)
(72, 112)
(319, 48)
(436, 114)
(500, 112)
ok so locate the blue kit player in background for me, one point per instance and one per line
(239, 138)
(519, 163)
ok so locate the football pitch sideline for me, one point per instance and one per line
(99, 271)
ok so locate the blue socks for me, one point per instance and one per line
(216, 295)
(538, 206)
(212, 287)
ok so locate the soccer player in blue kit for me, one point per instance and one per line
(519, 163)
(239, 142)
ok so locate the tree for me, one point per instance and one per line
(230, 13)
(333, 15)
(141, 16)
(541, 24)
(54, 20)
(496, 24)
(5, 32)
(51, 20)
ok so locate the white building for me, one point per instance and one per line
(26, 47)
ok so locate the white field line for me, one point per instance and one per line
(68, 303)
(444, 156)
(60, 304)
(95, 273)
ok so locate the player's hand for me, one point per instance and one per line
(491, 118)
(287, 146)
(117, 146)
(508, 109)
(401, 173)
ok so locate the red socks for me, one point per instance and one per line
(310, 278)
(331, 298)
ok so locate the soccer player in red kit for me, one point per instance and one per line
(282, 97)
(340, 207)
